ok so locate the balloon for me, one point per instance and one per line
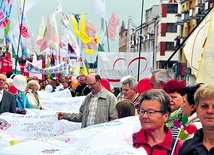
(183, 135)
(74, 84)
(143, 85)
(20, 82)
(12, 88)
(191, 128)
(48, 89)
(105, 83)
(35, 77)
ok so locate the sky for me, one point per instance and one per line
(123, 9)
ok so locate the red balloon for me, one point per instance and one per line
(105, 83)
(191, 128)
(143, 85)
(12, 88)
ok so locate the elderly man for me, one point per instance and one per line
(129, 85)
(154, 136)
(97, 107)
(160, 77)
(7, 99)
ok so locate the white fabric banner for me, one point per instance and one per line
(108, 138)
(115, 65)
(43, 125)
(31, 67)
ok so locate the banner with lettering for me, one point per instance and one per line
(115, 65)
(6, 65)
(92, 140)
(33, 68)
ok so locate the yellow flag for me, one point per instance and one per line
(83, 36)
(75, 25)
(89, 51)
(84, 69)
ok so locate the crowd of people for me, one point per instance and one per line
(168, 101)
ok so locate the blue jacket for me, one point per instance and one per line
(22, 101)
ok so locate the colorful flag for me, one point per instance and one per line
(91, 32)
(5, 10)
(72, 41)
(40, 36)
(47, 36)
(71, 53)
(112, 26)
(99, 7)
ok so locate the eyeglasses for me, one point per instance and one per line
(149, 112)
(92, 84)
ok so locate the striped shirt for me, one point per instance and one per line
(92, 109)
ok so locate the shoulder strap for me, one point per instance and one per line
(171, 145)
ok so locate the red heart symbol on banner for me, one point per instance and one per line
(129, 64)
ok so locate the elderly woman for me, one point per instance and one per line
(32, 95)
(154, 136)
(203, 140)
(188, 106)
(173, 88)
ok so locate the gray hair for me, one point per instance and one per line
(163, 75)
(129, 80)
(157, 94)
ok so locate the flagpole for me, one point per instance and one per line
(141, 27)
(19, 35)
(107, 36)
(181, 45)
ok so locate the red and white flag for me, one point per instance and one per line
(112, 26)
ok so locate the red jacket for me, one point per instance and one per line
(163, 148)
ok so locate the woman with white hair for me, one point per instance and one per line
(32, 95)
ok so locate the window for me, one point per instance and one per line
(171, 27)
(169, 46)
(172, 8)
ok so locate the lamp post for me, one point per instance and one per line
(141, 27)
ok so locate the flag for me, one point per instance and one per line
(15, 67)
(7, 28)
(71, 53)
(54, 42)
(99, 7)
(91, 32)
(40, 35)
(75, 25)
(100, 48)
(26, 37)
(84, 70)
(34, 58)
(5, 10)
(69, 36)
(205, 40)
(47, 36)
(64, 19)
(89, 51)
(113, 23)
(58, 7)
(82, 34)
(28, 5)
(24, 53)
